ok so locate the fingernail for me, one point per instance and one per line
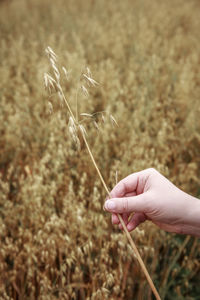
(110, 204)
(129, 227)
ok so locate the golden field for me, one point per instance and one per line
(56, 242)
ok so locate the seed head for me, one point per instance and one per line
(82, 128)
(90, 81)
(50, 107)
(49, 82)
(72, 124)
(51, 54)
(66, 72)
(96, 125)
(113, 121)
(86, 115)
(85, 91)
(88, 72)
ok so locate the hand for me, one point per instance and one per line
(153, 197)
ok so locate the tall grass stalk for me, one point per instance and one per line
(55, 84)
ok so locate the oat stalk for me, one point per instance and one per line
(135, 250)
(54, 83)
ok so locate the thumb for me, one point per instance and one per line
(127, 204)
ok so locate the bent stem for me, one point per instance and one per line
(135, 250)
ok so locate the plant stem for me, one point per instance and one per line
(146, 273)
(153, 288)
(66, 102)
(135, 250)
(94, 162)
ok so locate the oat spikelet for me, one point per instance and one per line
(50, 82)
(85, 91)
(96, 125)
(72, 124)
(88, 72)
(114, 122)
(82, 128)
(86, 115)
(103, 118)
(90, 81)
(51, 54)
(50, 107)
(66, 72)
(74, 135)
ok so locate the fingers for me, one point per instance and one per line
(127, 204)
(126, 185)
(125, 218)
(129, 184)
(130, 194)
(136, 220)
(115, 219)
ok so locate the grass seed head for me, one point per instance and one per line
(90, 81)
(85, 91)
(51, 54)
(50, 107)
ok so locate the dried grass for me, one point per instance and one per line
(55, 241)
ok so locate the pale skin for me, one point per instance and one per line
(148, 195)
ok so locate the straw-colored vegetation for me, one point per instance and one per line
(56, 242)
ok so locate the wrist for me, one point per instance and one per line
(192, 216)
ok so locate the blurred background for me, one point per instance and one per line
(56, 242)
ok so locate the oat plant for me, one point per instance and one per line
(77, 129)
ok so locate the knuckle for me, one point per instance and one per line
(121, 188)
(152, 170)
(147, 199)
(118, 190)
(125, 205)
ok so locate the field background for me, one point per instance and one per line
(56, 242)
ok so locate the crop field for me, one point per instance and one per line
(56, 241)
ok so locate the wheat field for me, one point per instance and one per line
(56, 242)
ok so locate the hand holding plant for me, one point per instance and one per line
(152, 197)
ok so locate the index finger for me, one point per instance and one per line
(129, 184)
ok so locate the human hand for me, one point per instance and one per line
(153, 197)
